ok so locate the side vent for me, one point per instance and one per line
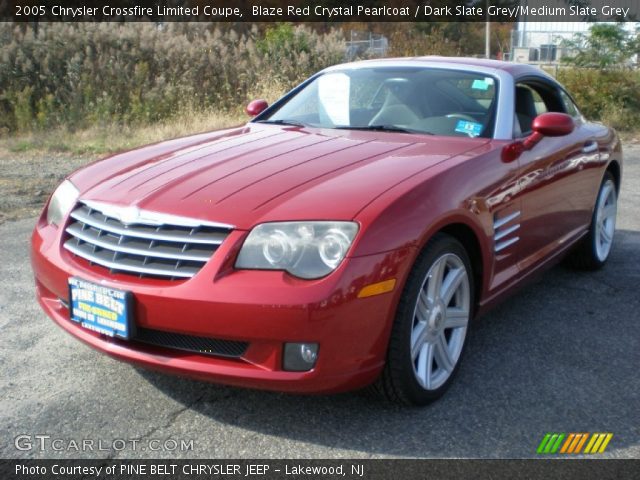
(504, 230)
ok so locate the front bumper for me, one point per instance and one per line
(265, 309)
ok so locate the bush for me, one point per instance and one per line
(611, 96)
(88, 74)
(137, 73)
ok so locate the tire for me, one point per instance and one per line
(593, 250)
(429, 331)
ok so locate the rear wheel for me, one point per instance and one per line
(593, 251)
(430, 328)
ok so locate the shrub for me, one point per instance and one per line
(137, 73)
(611, 96)
(90, 74)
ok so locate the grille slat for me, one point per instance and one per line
(168, 233)
(128, 267)
(133, 246)
(145, 249)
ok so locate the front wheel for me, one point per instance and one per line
(430, 328)
(594, 249)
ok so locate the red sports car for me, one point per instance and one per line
(346, 236)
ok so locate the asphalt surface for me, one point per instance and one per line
(562, 355)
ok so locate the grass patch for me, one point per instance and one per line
(105, 139)
(96, 141)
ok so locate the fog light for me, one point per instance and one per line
(300, 357)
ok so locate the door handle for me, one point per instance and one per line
(590, 147)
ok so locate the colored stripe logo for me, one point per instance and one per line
(574, 442)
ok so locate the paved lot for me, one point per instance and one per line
(563, 355)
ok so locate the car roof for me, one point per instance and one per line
(513, 69)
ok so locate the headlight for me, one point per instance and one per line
(304, 249)
(62, 200)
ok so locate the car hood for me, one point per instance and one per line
(259, 173)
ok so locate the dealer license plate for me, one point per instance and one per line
(101, 309)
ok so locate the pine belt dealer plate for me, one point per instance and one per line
(102, 309)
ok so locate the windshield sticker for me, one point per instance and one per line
(480, 84)
(472, 129)
(333, 95)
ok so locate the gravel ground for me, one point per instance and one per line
(560, 356)
(26, 181)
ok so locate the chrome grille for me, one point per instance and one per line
(152, 244)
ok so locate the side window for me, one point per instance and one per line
(569, 107)
(541, 106)
(531, 100)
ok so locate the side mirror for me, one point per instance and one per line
(553, 124)
(550, 124)
(256, 107)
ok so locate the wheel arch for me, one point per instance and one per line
(614, 169)
(471, 243)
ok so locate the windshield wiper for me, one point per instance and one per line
(383, 128)
(294, 123)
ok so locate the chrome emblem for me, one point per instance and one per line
(129, 215)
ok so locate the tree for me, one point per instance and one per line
(605, 46)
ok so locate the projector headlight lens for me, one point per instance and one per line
(304, 249)
(333, 247)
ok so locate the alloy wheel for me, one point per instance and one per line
(605, 220)
(440, 321)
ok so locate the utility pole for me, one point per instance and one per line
(487, 39)
(487, 33)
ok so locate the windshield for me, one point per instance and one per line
(414, 100)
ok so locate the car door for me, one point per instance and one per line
(554, 183)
